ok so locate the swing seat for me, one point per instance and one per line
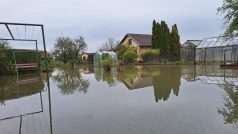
(27, 66)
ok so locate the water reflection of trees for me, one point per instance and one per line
(164, 79)
(230, 109)
(168, 80)
(70, 80)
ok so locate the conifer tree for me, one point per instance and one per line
(158, 35)
(153, 40)
(175, 43)
(165, 49)
(168, 42)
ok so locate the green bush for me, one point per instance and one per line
(107, 63)
(150, 54)
(6, 66)
(126, 53)
(7, 59)
(120, 51)
(129, 56)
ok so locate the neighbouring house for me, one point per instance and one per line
(141, 42)
(188, 50)
(87, 57)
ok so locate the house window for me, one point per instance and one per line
(130, 41)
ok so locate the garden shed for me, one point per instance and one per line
(218, 49)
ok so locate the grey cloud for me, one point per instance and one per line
(97, 20)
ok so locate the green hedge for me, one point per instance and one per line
(152, 54)
(23, 56)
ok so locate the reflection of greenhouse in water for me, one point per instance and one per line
(218, 49)
(108, 76)
(99, 56)
(211, 74)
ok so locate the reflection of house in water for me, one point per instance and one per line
(136, 77)
(138, 83)
(163, 79)
(88, 69)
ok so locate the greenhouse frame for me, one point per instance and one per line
(218, 49)
(188, 50)
(99, 56)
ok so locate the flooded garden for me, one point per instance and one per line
(128, 99)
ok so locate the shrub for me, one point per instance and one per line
(129, 56)
(6, 67)
(126, 53)
(121, 51)
(150, 54)
(107, 63)
(7, 59)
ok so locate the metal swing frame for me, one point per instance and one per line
(7, 24)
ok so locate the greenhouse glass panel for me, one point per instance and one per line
(201, 44)
(219, 49)
(227, 42)
(219, 42)
(99, 56)
(212, 42)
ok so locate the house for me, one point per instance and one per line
(87, 57)
(188, 50)
(141, 42)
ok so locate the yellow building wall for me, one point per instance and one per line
(85, 57)
(139, 49)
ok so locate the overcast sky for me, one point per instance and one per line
(97, 20)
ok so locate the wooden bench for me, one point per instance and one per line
(27, 65)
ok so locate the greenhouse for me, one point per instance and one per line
(218, 49)
(99, 56)
(188, 50)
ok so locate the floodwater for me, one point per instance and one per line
(127, 100)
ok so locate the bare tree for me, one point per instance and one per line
(69, 50)
(61, 49)
(77, 48)
(109, 45)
